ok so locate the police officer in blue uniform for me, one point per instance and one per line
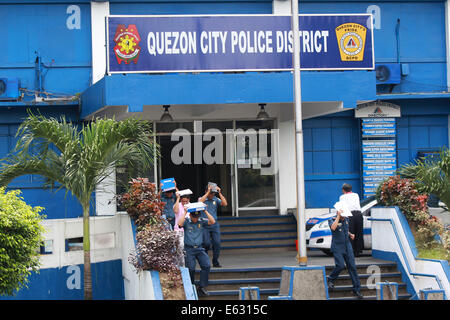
(213, 198)
(193, 240)
(343, 252)
(169, 198)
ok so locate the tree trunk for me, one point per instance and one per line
(87, 255)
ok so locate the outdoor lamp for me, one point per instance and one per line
(166, 115)
(262, 114)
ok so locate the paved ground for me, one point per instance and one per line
(441, 214)
(284, 258)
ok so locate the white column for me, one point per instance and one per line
(99, 11)
(286, 165)
(447, 40)
(281, 7)
(105, 193)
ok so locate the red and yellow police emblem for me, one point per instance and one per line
(127, 47)
(351, 38)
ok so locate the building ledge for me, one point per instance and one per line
(28, 104)
(413, 95)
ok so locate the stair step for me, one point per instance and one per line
(363, 268)
(389, 269)
(257, 241)
(371, 297)
(234, 294)
(390, 277)
(257, 219)
(346, 290)
(257, 248)
(233, 284)
(258, 233)
(265, 283)
(223, 274)
(256, 226)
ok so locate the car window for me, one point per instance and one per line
(367, 204)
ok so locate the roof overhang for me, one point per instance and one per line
(131, 92)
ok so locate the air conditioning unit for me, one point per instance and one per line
(9, 89)
(388, 73)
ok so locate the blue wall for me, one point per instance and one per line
(43, 28)
(421, 38)
(332, 157)
(52, 284)
(192, 7)
(423, 126)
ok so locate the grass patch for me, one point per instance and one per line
(437, 252)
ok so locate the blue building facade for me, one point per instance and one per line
(55, 50)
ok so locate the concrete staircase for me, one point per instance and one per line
(274, 233)
(262, 233)
(224, 284)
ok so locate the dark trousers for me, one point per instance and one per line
(211, 237)
(171, 222)
(198, 254)
(343, 260)
(356, 226)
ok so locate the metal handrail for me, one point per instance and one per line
(404, 255)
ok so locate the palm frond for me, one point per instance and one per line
(433, 174)
(17, 167)
(37, 133)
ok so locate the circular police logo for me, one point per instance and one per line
(351, 43)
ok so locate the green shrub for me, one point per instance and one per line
(20, 238)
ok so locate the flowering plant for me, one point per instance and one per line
(157, 247)
(142, 203)
(404, 193)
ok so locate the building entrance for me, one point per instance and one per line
(229, 153)
(193, 173)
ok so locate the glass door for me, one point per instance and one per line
(194, 153)
(256, 176)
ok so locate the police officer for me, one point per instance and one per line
(169, 198)
(343, 252)
(193, 239)
(356, 221)
(212, 232)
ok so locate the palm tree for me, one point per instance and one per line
(433, 174)
(78, 158)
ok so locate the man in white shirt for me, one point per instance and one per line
(356, 222)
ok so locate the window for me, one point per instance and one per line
(74, 244)
(46, 247)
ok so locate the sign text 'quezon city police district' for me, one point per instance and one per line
(237, 43)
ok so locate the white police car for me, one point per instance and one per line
(318, 232)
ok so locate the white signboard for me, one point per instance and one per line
(377, 109)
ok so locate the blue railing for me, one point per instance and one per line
(404, 254)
